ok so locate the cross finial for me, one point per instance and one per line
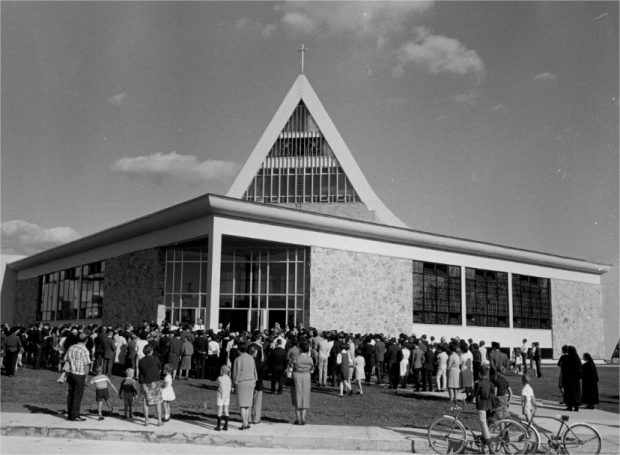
(303, 50)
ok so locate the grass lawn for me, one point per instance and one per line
(37, 391)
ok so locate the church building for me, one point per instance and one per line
(302, 238)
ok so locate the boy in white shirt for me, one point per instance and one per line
(528, 400)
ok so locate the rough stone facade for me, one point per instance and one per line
(360, 292)
(26, 301)
(133, 287)
(351, 210)
(577, 317)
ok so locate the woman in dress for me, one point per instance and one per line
(150, 390)
(174, 355)
(467, 372)
(187, 351)
(571, 379)
(454, 365)
(590, 382)
(300, 392)
(244, 379)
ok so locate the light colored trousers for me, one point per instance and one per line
(257, 406)
(323, 361)
(441, 373)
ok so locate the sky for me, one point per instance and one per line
(490, 121)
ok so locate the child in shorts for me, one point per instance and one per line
(101, 382)
(224, 386)
(128, 391)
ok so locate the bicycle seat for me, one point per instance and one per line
(563, 418)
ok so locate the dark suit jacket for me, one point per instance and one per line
(277, 359)
(392, 354)
(108, 347)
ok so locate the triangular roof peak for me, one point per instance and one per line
(341, 157)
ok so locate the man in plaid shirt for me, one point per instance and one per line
(77, 363)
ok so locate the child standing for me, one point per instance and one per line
(167, 392)
(528, 401)
(360, 365)
(128, 391)
(101, 382)
(224, 385)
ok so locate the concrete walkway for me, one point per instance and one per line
(284, 435)
(201, 431)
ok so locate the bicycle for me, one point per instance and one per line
(578, 438)
(448, 434)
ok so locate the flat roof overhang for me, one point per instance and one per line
(210, 204)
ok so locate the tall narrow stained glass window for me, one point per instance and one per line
(486, 298)
(531, 302)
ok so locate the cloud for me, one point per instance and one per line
(22, 237)
(118, 99)
(268, 29)
(470, 97)
(377, 19)
(173, 166)
(497, 107)
(437, 54)
(546, 76)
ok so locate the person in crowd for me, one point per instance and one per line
(77, 362)
(537, 357)
(150, 384)
(528, 400)
(102, 394)
(405, 364)
(453, 373)
(484, 395)
(164, 347)
(176, 349)
(300, 392)
(563, 355)
(524, 355)
(484, 353)
(224, 387)
(214, 355)
(200, 354)
(427, 370)
(589, 382)
(128, 391)
(343, 361)
(467, 373)
(141, 343)
(417, 365)
(131, 353)
(380, 350)
(442, 368)
(12, 348)
(503, 392)
(393, 356)
(187, 352)
(368, 352)
(244, 380)
(360, 370)
(167, 392)
(476, 360)
(323, 348)
(277, 366)
(257, 399)
(571, 379)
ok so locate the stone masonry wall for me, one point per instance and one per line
(133, 287)
(26, 301)
(577, 317)
(360, 292)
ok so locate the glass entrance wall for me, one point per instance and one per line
(261, 284)
(185, 290)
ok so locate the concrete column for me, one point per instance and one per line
(213, 274)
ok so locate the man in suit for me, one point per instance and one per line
(393, 362)
(429, 366)
(277, 365)
(368, 351)
(108, 351)
(498, 360)
(417, 362)
(380, 350)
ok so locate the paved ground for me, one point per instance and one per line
(38, 428)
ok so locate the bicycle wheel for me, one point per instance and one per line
(447, 435)
(508, 436)
(533, 437)
(581, 438)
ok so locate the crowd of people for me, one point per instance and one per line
(151, 356)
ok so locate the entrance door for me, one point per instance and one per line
(188, 316)
(278, 316)
(237, 319)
